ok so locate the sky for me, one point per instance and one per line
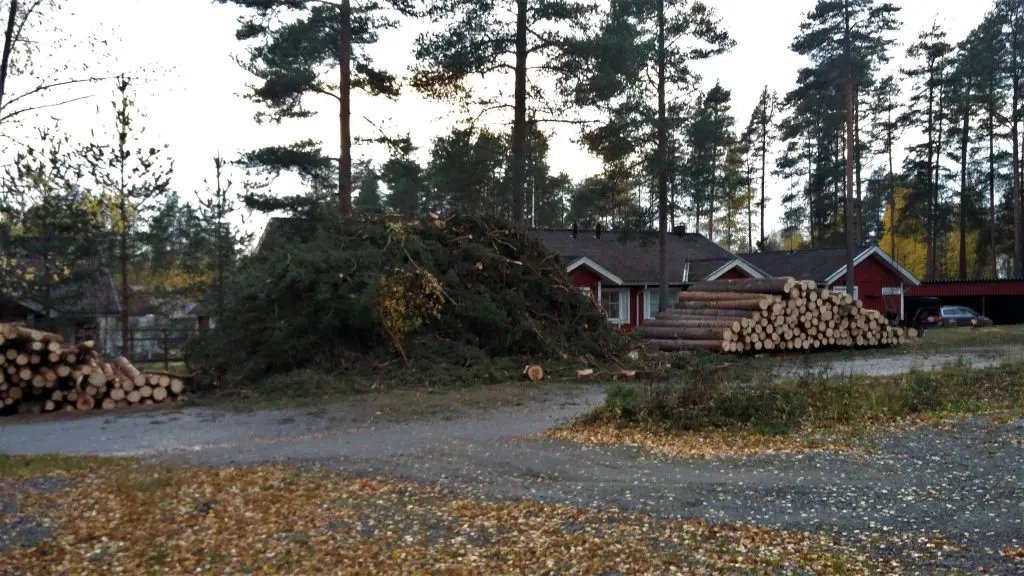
(193, 95)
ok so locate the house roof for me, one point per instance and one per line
(635, 260)
(823, 265)
(812, 264)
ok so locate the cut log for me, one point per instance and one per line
(85, 402)
(177, 386)
(706, 312)
(532, 371)
(126, 368)
(754, 285)
(675, 345)
(159, 394)
(751, 304)
(697, 296)
(682, 333)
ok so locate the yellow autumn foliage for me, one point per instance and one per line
(911, 248)
(405, 301)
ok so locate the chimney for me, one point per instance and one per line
(679, 230)
(597, 231)
(575, 229)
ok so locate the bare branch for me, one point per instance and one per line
(44, 87)
(21, 111)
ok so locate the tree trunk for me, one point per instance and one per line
(750, 208)
(1018, 239)
(764, 175)
(936, 182)
(519, 120)
(993, 263)
(859, 206)
(892, 189)
(850, 248)
(5, 60)
(345, 160)
(711, 194)
(964, 137)
(662, 166)
(929, 273)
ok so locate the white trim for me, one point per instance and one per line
(875, 251)
(736, 262)
(602, 271)
(649, 310)
(623, 296)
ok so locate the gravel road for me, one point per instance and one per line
(965, 484)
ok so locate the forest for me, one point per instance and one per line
(923, 160)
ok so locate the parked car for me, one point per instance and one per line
(949, 317)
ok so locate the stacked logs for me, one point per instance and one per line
(768, 314)
(38, 373)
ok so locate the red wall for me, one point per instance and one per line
(585, 278)
(734, 274)
(871, 276)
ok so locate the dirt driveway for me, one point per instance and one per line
(965, 485)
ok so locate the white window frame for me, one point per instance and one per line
(623, 296)
(650, 308)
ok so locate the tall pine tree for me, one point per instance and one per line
(301, 49)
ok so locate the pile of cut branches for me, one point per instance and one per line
(333, 294)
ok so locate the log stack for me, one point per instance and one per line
(768, 314)
(38, 373)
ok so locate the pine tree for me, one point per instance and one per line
(368, 200)
(931, 54)
(130, 179)
(992, 96)
(292, 45)
(225, 242)
(709, 138)
(635, 69)
(1013, 15)
(846, 41)
(50, 249)
(477, 38)
(404, 178)
(885, 107)
(761, 133)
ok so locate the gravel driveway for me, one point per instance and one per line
(965, 484)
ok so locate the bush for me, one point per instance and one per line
(334, 295)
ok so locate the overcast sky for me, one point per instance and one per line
(195, 102)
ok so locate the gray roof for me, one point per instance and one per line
(90, 294)
(635, 260)
(812, 264)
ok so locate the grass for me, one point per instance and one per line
(25, 466)
(704, 400)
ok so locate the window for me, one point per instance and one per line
(585, 290)
(616, 305)
(653, 299)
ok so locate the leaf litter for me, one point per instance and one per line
(279, 520)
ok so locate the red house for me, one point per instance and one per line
(622, 273)
(880, 281)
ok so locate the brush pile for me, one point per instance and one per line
(38, 373)
(768, 314)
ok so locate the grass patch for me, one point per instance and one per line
(703, 399)
(23, 466)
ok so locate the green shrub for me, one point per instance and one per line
(623, 400)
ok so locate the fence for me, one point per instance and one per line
(158, 345)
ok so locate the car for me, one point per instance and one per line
(949, 316)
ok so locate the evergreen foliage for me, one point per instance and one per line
(312, 298)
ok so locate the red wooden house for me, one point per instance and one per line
(622, 274)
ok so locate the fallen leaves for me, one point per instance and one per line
(273, 520)
(703, 444)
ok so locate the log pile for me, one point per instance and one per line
(38, 373)
(768, 314)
